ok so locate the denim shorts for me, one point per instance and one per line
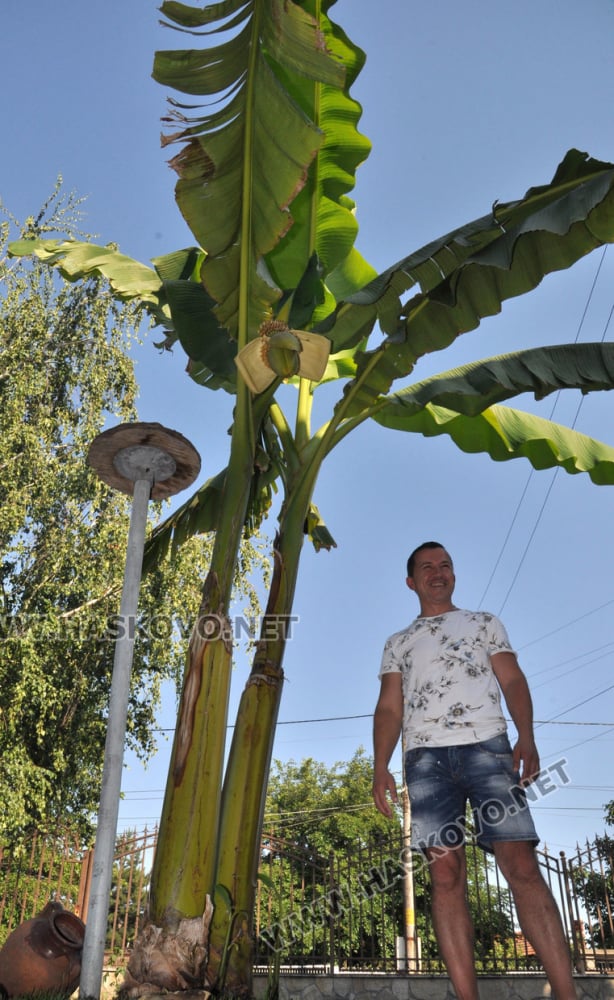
(440, 782)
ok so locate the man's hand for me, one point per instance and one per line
(526, 760)
(384, 783)
(517, 696)
(386, 731)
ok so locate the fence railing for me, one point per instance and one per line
(365, 909)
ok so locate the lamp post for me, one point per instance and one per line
(147, 461)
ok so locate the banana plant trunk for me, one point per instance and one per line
(231, 941)
(184, 863)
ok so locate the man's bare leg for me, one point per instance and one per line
(452, 919)
(538, 914)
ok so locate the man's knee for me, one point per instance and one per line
(447, 869)
(517, 861)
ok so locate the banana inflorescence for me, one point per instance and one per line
(280, 348)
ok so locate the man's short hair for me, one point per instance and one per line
(411, 562)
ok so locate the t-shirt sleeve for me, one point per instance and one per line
(390, 664)
(498, 639)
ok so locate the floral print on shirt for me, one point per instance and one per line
(451, 695)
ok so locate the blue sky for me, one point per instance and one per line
(465, 104)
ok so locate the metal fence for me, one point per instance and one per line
(362, 910)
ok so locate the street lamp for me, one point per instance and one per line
(147, 461)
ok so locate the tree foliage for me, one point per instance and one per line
(323, 809)
(592, 877)
(329, 863)
(65, 373)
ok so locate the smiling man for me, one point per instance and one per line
(442, 679)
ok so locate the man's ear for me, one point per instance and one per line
(409, 580)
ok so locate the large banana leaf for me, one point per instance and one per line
(503, 433)
(74, 260)
(579, 183)
(472, 388)
(471, 271)
(277, 90)
(170, 293)
(459, 403)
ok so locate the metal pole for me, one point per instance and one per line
(97, 912)
(409, 892)
(409, 905)
(147, 461)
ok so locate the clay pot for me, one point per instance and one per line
(43, 954)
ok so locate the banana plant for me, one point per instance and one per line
(272, 302)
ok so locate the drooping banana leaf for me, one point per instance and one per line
(171, 293)
(472, 388)
(201, 514)
(503, 433)
(203, 511)
(467, 274)
(196, 516)
(210, 350)
(459, 403)
(128, 278)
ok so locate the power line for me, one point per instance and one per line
(582, 743)
(529, 540)
(603, 650)
(560, 628)
(579, 704)
(369, 715)
(531, 472)
(572, 670)
(294, 722)
(554, 477)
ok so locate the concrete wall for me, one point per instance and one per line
(514, 986)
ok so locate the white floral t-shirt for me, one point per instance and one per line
(450, 693)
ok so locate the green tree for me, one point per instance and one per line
(66, 372)
(592, 876)
(265, 170)
(328, 857)
(323, 809)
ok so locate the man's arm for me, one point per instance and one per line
(386, 730)
(517, 696)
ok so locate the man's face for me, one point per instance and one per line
(433, 579)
